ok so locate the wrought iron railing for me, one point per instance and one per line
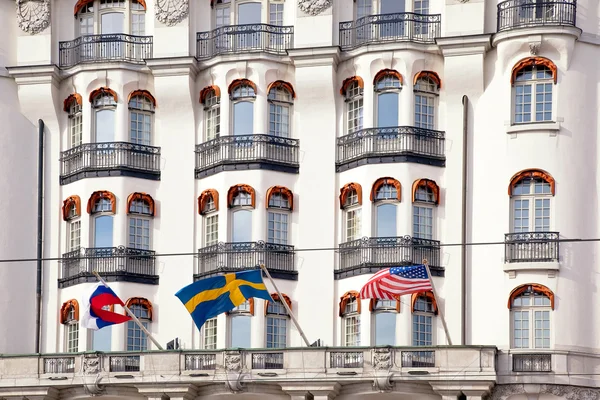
(200, 362)
(373, 253)
(382, 28)
(267, 360)
(105, 47)
(59, 365)
(400, 140)
(531, 247)
(532, 362)
(525, 13)
(346, 359)
(230, 257)
(230, 150)
(418, 359)
(124, 363)
(90, 157)
(244, 38)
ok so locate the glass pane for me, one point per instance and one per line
(240, 331)
(105, 126)
(242, 226)
(386, 220)
(392, 6)
(112, 23)
(101, 339)
(243, 118)
(385, 328)
(387, 110)
(103, 231)
(249, 13)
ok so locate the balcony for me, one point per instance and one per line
(371, 254)
(92, 160)
(531, 362)
(390, 28)
(390, 145)
(232, 257)
(245, 152)
(251, 38)
(114, 264)
(531, 247)
(105, 48)
(514, 14)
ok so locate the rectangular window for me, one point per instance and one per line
(353, 225)
(542, 215)
(222, 17)
(528, 109)
(240, 331)
(211, 230)
(421, 7)
(422, 330)
(521, 329)
(141, 124)
(74, 236)
(210, 334)
(76, 127)
(213, 123)
(424, 111)
(279, 120)
(277, 226)
(355, 115)
(136, 338)
(139, 233)
(276, 332)
(423, 222)
(276, 14)
(72, 336)
(542, 329)
(352, 330)
(138, 23)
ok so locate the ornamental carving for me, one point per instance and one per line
(91, 365)
(233, 361)
(171, 12)
(502, 392)
(33, 16)
(382, 359)
(314, 7)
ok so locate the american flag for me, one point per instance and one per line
(391, 283)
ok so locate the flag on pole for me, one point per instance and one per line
(94, 316)
(207, 298)
(391, 283)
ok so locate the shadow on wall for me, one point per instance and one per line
(588, 16)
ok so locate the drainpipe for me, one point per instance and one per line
(463, 269)
(40, 224)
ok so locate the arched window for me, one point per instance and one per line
(424, 309)
(242, 93)
(531, 194)
(102, 207)
(241, 201)
(69, 317)
(136, 339)
(140, 208)
(110, 17)
(104, 104)
(386, 194)
(71, 214)
(350, 313)
(531, 306)
(277, 321)
(210, 97)
(280, 203)
(387, 85)
(72, 105)
(352, 90)
(208, 206)
(350, 203)
(281, 98)
(426, 90)
(240, 321)
(425, 197)
(533, 81)
(384, 321)
(141, 111)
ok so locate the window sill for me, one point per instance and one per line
(551, 128)
(513, 268)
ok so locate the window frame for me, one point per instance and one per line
(133, 109)
(281, 210)
(128, 11)
(531, 309)
(236, 313)
(143, 215)
(277, 316)
(71, 327)
(112, 106)
(378, 202)
(389, 309)
(233, 208)
(386, 90)
(532, 197)
(131, 325)
(425, 92)
(208, 214)
(351, 206)
(204, 336)
(428, 314)
(351, 314)
(277, 102)
(241, 98)
(425, 204)
(533, 83)
(75, 123)
(354, 93)
(212, 111)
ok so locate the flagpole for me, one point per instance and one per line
(287, 308)
(133, 317)
(426, 263)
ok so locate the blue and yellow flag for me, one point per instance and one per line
(210, 297)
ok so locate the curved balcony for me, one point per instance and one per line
(371, 254)
(245, 152)
(92, 160)
(514, 14)
(386, 28)
(112, 263)
(105, 48)
(234, 39)
(390, 145)
(232, 257)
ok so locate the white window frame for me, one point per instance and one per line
(428, 314)
(378, 202)
(388, 308)
(212, 116)
(279, 209)
(281, 315)
(532, 197)
(209, 334)
(132, 326)
(425, 204)
(426, 88)
(137, 215)
(276, 3)
(99, 104)
(128, 10)
(75, 124)
(243, 310)
(146, 110)
(351, 208)
(533, 83)
(531, 310)
(73, 234)
(351, 315)
(354, 95)
(277, 100)
(237, 97)
(71, 332)
(392, 88)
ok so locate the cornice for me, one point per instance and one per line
(464, 45)
(35, 74)
(315, 56)
(520, 33)
(173, 66)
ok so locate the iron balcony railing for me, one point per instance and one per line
(532, 362)
(267, 360)
(531, 247)
(241, 149)
(105, 47)
(107, 261)
(231, 257)
(107, 156)
(233, 39)
(393, 141)
(527, 13)
(384, 28)
(418, 359)
(372, 253)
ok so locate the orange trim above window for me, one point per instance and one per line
(71, 201)
(428, 295)
(428, 74)
(102, 194)
(206, 91)
(372, 303)
(532, 173)
(103, 90)
(535, 287)
(241, 188)
(275, 297)
(532, 61)
(75, 97)
(205, 196)
(143, 93)
(287, 86)
(66, 307)
(348, 81)
(132, 301)
(250, 303)
(388, 72)
(352, 294)
(240, 82)
(284, 191)
(143, 197)
(345, 191)
(386, 181)
(427, 183)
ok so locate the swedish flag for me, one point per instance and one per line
(207, 298)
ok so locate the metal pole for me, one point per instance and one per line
(426, 263)
(133, 317)
(287, 308)
(40, 237)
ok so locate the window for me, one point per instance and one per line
(209, 334)
(141, 110)
(353, 94)
(137, 340)
(277, 322)
(208, 204)
(351, 201)
(279, 203)
(104, 104)
(424, 309)
(72, 105)
(110, 17)
(211, 100)
(101, 206)
(240, 323)
(387, 84)
(242, 94)
(276, 12)
(384, 321)
(426, 91)
(350, 313)
(102, 338)
(222, 13)
(281, 99)
(425, 198)
(531, 306)
(386, 195)
(71, 213)
(533, 82)
(531, 196)
(241, 201)
(70, 319)
(140, 208)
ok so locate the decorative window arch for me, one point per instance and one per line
(275, 297)
(534, 62)
(100, 195)
(430, 186)
(531, 307)
(242, 82)
(386, 181)
(241, 188)
(347, 189)
(428, 75)
(373, 303)
(205, 197)
(74, 98)
(427, 295)
(533, 80)
(283, 85)
(142, 93)
(283, 191)
(143, 197)
(349, 81)
(348, 297)
(385, 73)
(213, 89)
(141, 301)
(66, 309)
(532, 173)
(533, 288)
(71, 207)
(103, 91)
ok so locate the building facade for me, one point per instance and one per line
(325, 140)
